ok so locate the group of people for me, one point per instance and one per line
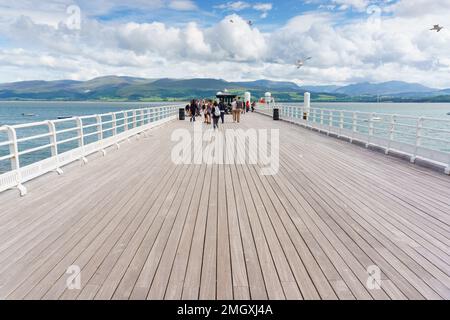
(213, 111)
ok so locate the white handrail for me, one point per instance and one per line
(79, 129)
(405, 134)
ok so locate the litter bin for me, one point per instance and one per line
(182, 115)
(276, 114)
(305, 116)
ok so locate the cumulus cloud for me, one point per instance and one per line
(399, 46)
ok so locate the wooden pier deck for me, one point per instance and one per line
(140, 227)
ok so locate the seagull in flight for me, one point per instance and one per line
(301, 63)
(436, 28)
(232, 21)
(250, 23)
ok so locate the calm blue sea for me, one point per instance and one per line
(24, 112)
(12, 112)
(434, 110)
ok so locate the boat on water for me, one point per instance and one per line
(64, 117)
(374, 119)
(448, 113)
(28, 115)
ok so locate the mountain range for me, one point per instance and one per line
(115, 88)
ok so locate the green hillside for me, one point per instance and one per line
(115, 88)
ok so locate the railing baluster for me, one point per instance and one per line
(330, 123)
(447, 170)
(354, 125)
(125, 120)
(99, 127)
(15, 162)
(100, 131)
(80, 132)
(54, 145)
(418, 139)
(114, 123)
(370, 130)
(391, 133)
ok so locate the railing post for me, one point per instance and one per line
(330, 122)
(125, 120)
(81, 138)
(100, 131)
(313, 118)
(418, 139)
(341, 123)
(144, 116)
(134, 119)
(114, 124)
(370, 130)
(54, 145)
(15, 162)
(321, 117)
(354, 125)
(114, 128)
(99, 127)
(391, 133)
(447, 170)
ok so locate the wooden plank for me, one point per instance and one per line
(224, 270)
(160, 231)
(177, 277)
(191, 287)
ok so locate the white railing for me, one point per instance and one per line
(420, 138)
(60, 142)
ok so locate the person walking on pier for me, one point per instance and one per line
(222, 111)
(193, 110)
(216, 113)
(234, 109)
(239, 109)
(208, 113)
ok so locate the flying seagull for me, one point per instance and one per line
(250, 23)
(301, 63)
(231, 21)
(437, 28)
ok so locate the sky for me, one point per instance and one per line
(349, 41)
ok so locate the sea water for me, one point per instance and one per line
(12, 113)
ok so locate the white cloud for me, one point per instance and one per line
(400, 47)
(182, 5)
(359, 5)
(237, 6)
(264, 8)
(234, 6)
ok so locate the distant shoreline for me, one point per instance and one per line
(188, 99)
